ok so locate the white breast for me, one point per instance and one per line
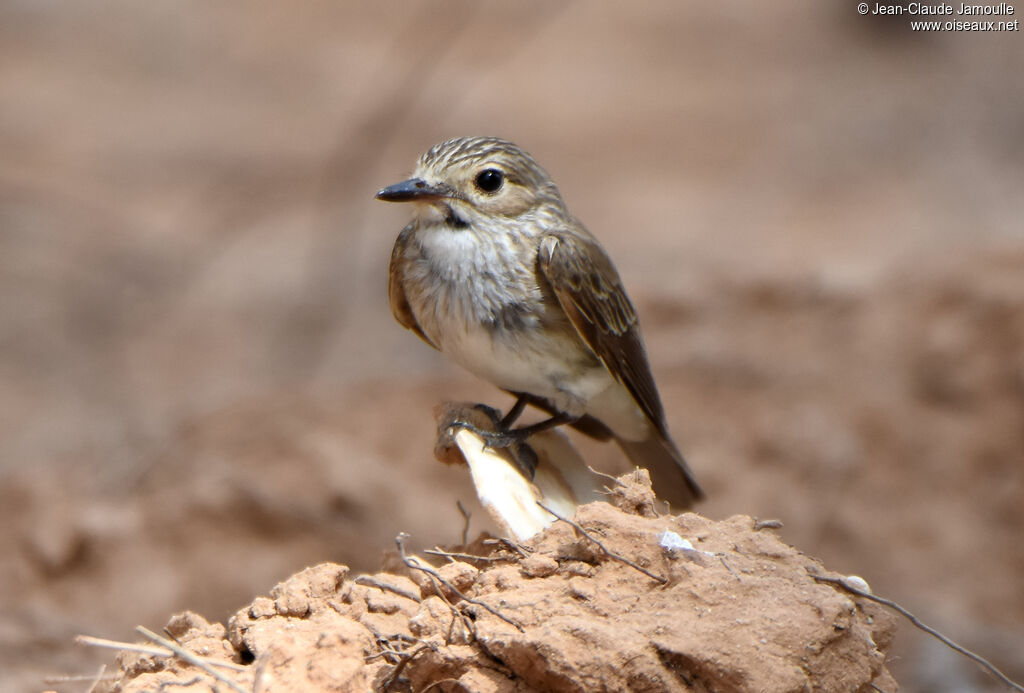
(457, 282)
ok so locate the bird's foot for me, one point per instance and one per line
(514, 441)
(493, 439)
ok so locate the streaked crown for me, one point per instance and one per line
(491, 174)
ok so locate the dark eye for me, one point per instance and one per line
(489, 180)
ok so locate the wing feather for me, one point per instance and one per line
(589, 290)
(400, 307)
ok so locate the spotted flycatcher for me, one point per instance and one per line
(496, 273)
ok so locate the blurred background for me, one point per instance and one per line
(202, 390)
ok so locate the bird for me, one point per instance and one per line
(496, 273)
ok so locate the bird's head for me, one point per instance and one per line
(471, 180)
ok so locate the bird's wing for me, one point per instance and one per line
(400, 307)
(588, 288)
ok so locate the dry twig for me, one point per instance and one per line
(728, 567)
(416, 565)
(403, 662)
(453, 555)
(465, 522)
(191, 658)
(441, 682)
(613, 479)
(147, 650)
(370, 581)
(607, 552)
(509, 544)
(93, 679)
(988, 666)
(392, 647)
(389, 652)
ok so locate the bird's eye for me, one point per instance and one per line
(489, 180)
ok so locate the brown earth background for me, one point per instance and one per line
(820, 216)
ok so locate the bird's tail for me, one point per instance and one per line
(670, 475)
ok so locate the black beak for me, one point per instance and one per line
(413, 190)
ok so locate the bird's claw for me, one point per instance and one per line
(524, 456)
(492, 439)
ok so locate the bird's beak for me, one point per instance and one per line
(414, 190)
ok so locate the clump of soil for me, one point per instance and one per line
(624, 604)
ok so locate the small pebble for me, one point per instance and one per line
(538, 565)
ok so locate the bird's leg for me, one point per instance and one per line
(513, 414)
(503, 436)
(456, 416)
(523, 432)
(506, 437)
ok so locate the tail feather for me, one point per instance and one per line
(670, 475)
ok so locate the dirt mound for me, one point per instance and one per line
(621, 602)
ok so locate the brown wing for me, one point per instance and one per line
(396, 292)
(590, 292)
